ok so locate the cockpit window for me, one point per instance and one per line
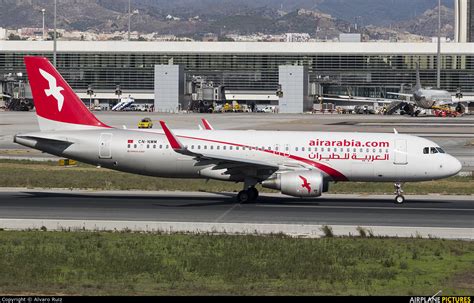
(426, 150)
(433, 150)
(440, 150)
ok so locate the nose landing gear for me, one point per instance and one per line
(399, 198)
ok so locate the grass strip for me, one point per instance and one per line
(123, 263)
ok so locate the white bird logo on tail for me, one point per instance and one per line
(53, 89)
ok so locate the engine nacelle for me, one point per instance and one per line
(298, 183)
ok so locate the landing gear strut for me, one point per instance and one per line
(399, 199)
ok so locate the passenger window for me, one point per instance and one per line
(129, 146)
(154, 146)
(440, 150)
(205, 146)
(224, 147)
(426, 150)
(296, 148)
(212, 146)
(302, 149)
(218, 147)
(433, 150)
(134, 146)
(230, 147)
(167, 146)
(236, 148)
(192, 146)
(148, 146)
(161, 146)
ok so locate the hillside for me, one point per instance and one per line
(320, 18)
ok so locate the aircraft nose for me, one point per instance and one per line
(453, 166)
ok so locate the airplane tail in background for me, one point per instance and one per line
(418, 81)
(57, 106)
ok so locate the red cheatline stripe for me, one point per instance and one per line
(335, 175)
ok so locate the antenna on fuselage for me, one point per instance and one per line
(395, 131)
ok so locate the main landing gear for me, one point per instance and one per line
(399, 199)
(249, 195)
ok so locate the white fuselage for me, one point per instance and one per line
(338, 156)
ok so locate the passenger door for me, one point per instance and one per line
(400, 153)
(105, 146)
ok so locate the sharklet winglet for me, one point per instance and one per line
(207, 125)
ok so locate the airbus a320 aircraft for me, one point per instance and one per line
(299, 164)
(426, 98)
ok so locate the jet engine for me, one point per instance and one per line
(306, 183)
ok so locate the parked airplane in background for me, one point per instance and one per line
(299, 164)
(426, 98)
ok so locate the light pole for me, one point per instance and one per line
(118, 92)
(54, 44)
(42, 11)
(438, 69)
(90, 92)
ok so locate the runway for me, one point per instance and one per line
(418, 211)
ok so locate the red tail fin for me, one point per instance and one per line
(57, 106)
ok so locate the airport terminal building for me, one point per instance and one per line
(249, 70)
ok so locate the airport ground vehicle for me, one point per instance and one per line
(266, 109)
(145, 123)
(445, 111)
(297, 163)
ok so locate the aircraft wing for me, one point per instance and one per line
(400, 94)
(356, 101)
(178, 147)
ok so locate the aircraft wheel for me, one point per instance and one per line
(243, 196)
(253, 193)
(399, 199)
